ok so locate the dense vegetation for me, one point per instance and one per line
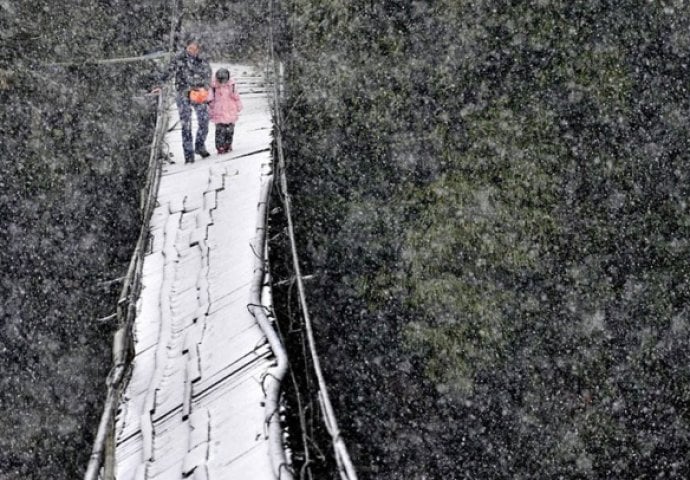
(74, 149)
(492, 198)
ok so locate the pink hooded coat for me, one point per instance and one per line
(225, 104)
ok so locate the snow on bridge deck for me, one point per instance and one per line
(193, 405)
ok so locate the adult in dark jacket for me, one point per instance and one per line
(191, 71)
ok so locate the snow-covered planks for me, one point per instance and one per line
(193, 407)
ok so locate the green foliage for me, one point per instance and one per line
(494, 197)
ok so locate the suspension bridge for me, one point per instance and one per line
(195, 389)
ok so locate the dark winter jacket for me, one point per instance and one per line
(189, 71)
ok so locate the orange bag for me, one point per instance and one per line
(198, 95)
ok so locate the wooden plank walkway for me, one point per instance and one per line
(193, 407)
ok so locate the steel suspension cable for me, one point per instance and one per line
(102, 453)
(342, 456)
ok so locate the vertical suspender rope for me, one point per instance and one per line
(342, 456)
(173, 21)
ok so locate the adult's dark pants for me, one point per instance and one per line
(184, 107)
(224, 134)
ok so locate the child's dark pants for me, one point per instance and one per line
(224, 133)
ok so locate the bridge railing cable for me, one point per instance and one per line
(102, 459)
(126, 305)
(345, 466)
(272, 380)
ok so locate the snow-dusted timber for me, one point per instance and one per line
(195, 389)
(202, 375)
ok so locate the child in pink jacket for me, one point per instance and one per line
(225, 107)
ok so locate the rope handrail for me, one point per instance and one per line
(126, 302)
(106, 61)
(103, 451)
(342, 456)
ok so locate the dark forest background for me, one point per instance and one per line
(491, 197)
(73, 154)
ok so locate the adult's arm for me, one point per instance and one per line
(167, 74)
